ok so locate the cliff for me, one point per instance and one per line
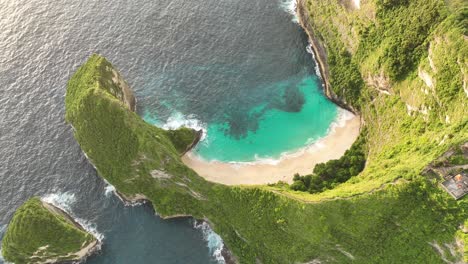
(367, 218)
(42, 233)
(320, 55)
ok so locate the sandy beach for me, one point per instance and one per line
(332, 146)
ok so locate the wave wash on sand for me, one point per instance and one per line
(340, 138)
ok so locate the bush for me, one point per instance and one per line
(328, 175)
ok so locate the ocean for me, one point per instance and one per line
(239, 70)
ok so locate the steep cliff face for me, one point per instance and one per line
(320, 55)
(387, 44)
(42, 233)
(374, 58)
(403, 64)
(120, 89)
(412, 59)
(365, 220)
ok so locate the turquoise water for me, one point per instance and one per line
(277, 131)
(237, 68)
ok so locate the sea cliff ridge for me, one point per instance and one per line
(389, 213)
(43, 233)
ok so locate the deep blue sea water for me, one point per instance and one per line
(237, 68)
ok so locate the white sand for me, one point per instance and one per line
(330, 147)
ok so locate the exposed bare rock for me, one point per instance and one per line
(427, 79)
(125, 94)
(424, 110)
(320, 55)
(430, 55)
(380, 82)
(158, 174)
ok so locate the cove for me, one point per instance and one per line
(299, 116)
(278, 131)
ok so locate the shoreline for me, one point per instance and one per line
(332, 146)
(86, 251)
(139, 199)
(302, 161)
(320, 56)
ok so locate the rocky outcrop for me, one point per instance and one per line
(320, 53)
(63, 241)
(198, 137)
(86, 250)
(379, 82)
(124, 92)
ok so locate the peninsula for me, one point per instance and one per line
(400, 64)
(42, 233)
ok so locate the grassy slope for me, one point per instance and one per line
(399, 144)
(256, 224)
(33, 226)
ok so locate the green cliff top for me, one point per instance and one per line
(40, 232)
(403, 64)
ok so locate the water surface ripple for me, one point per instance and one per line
(214, 59)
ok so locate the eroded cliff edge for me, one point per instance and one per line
(42, 233)
(264, 224)
(320, 55)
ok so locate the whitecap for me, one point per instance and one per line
(215, 243)
(310, 50)
(178, 120)
(2, 232)
(109, 189)
(313, 144)
(65, 201)
(290, 7)
(341, 119)
(89, 227)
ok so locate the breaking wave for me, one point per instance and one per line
(2, 232)
(317, 67)
(312, 145)
(214, 241)
(109, 189)
(65, 201)
(290, 7)
(178, 120)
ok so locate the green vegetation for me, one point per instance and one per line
(327, 175)
(394, 225)
(402, 63)
(396, 40)
(462, 237)
(36, 234)
(344, 76)
(182, 138)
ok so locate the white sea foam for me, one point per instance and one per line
(290, 7)
(90, 227)
(65, 201)
(178, 120)
(2, 232)
(312, 145)
(342, 117)
(317, 67)
(214, 241)
(2, 260)
(109, 189)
